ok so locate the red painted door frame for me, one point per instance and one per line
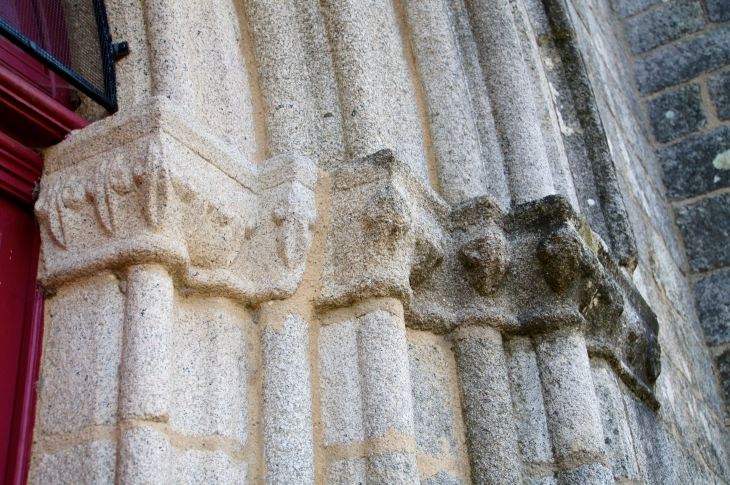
(30, 117)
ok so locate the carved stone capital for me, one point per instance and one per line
(149, 188)
(537, 269)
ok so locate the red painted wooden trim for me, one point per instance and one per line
(30, 359)
(37, 119)
(20, 169)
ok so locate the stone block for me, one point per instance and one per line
(346, 472)
(683, 60)
(720, 93)
(90, 463)
(676, 113)
(432, 401)
(712, 294)
(617, 435)
(572, 410)
(442, 478)
(194, 467)
(711, 436)
(696, 472)
(145, 457)
(488, 414)
(593, 474)
(722, 362)
(527, 399)
(80, 377)
(704, 376)
(339, 378)
(718, 10)
(287, 404)
(664, 24)
(705, 227)
(696, 165)
(657, 453)
(392, 468)
(209, 370)
(626, 8)
(386, 387)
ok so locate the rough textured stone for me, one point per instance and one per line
(705, 227)
(657, 453)
(695, 166)
(683, 60)
(209, 370)
(145, 372)
(287, 404)
(488, 415)
(377, 100)
(80, 380)
(146, 457)
(455, 139)
(626, 8)
(194, 467)
(442, 478)
(89, 463)
(571, 405)
(618, 439)
(346, 472)
(722, 361)
(165, 195)
(515, 116)
(392, 468)
(340, 383)
(386, 385)
(594, 474)
(676, 113)
(712, 294)
(432, 401)
(664, 24)
(720, 93)
(718, 10)
(527, 399)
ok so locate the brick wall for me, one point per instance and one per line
(680, 51)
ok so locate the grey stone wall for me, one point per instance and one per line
(680, 53)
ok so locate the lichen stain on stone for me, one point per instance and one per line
(722, 161)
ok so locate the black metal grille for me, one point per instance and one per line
(70, 37)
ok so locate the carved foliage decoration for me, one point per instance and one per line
(105, 187)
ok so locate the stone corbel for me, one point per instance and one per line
(536, 270)
(385, 232)
(215, 221)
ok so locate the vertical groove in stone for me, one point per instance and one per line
(283, 75)
(492, 158)
(287, 404)
(571, 404)
(461, 172)
(145, 368)
(545, 109)
(488, 415)
(222, 80)
(375, 91)
(171, 76)
(512, 98)
(329, 145)
(532, 429)
(386, 395)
